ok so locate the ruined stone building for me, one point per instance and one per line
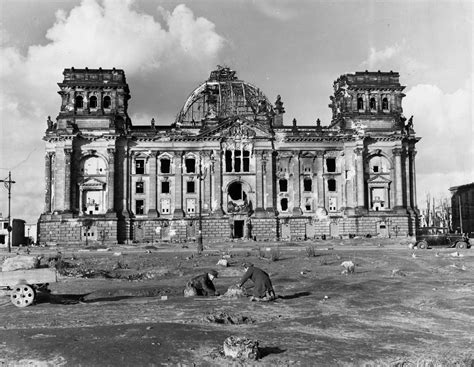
(462, 208)
(228, 164)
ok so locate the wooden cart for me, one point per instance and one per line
(23, 284)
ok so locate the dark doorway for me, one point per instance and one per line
(238, 228)
(236, 193)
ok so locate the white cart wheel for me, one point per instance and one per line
(22, 295)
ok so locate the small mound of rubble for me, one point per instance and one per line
(398, 272)
(349, 267)
(223, 262)
(241, 348)
(228, 319)
(234, 292)
(20, 262)
(190, 291)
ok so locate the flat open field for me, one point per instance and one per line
(397, 309)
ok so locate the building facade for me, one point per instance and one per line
(228, 165)
(462, 207)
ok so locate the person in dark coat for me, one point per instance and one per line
(203, 284)
(263, 289)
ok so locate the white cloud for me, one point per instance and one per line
(94, 34)
(446, 151)
(379, 57)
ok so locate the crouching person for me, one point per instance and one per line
(202, 285)
(263, 289)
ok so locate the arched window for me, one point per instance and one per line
(360, 104)
(79, 102)
(93, 102)
(373, 104)
(385, 104)
(107, 102)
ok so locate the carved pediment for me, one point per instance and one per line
(240, 129)
(92, 184)
(378, 180)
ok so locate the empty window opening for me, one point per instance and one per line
(93, 102)
(246, 161)
(139, 207)
(360, 104)
(236, 191)
(237, 160)
(139, 188)
(283, 183)
(79, 102)
(385, 104)
(165, 165)
(107, 102)
(331, 164)
(375, 169)
(140, 166)
(190, 165)
(373, 105)
(308, 184)
(284, 204)
(238, 228)
(228, 161)
(165, 187)
(190, 187)
(331, 184)
(307, 205)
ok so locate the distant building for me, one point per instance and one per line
(17, 233)
(462, 206)
(228, 159)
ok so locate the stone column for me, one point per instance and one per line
(408, 180)
(67, 179)
(414, 203)
(126, 183)
(111, 182)
(152, 198)
(359, 163)
(178, 185)
(296, 184)
(398, 177)
(219, 165)
(48, 176)
(259, 183)
(268, 162)
(319, 178)
(206, 171)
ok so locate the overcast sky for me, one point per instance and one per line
(292, 48)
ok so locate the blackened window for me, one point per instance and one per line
(190, 187)
(331, 184)
(190, 165)
(93, 102)
(228, 161)
(284, 204)
(139, 207)
(139, 188)
(307, 184)
(165, 165)
(79, 102)
(140, 166)
(283, 183)
(246, 161)
(385, 104)
(107, 102)
(331, 164)
(373, 105)
(237, 162)
(165, 187)
(360, 104)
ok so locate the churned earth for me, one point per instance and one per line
(125, 307)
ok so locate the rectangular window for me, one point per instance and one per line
(165, 165)
(246, 161)
(140, 166)
(139, 189)
(375, 169)
(307, 205)
(5, 225)
(331, 164)
(190, 187)
(283, 183)
(331, 184)
(191, 206)
(165, 206)
(284, 204)
(237, 162)
(307, 184)
(139, 207)
(165, 187)
(190, 165)
(228, 161)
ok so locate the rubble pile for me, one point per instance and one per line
(228, 319)
(241, 348)
(20, 262)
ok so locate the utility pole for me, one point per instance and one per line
(8, 185)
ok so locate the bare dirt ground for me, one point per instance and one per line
(127, 309)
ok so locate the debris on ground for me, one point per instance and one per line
(241, 348)
(349, 267)
(228, 319)
(189, 291)
(223, 262)
(456, 254)
(20, 262)
(234, 292)
(398, 272)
